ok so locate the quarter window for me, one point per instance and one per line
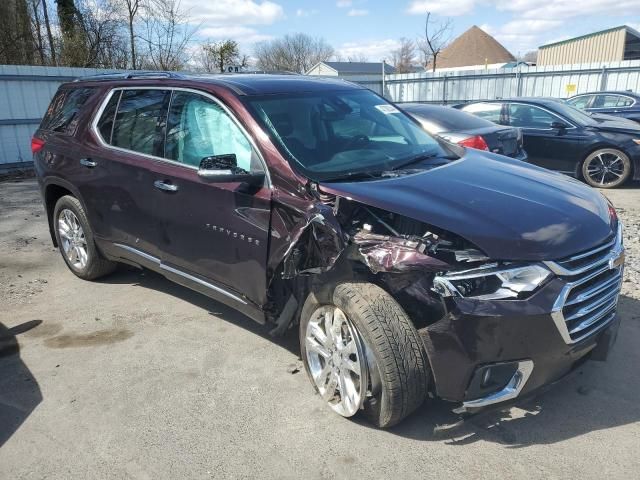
(528, 116)
(139, 124)
(198, 128)
(63, 112)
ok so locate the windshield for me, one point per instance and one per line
(339, 134)
(573, 114)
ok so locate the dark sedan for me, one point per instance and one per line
(468, 130)
(619, 104)
(603, 153)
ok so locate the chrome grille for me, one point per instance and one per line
(588, 301)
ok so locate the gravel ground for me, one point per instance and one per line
(135, 377)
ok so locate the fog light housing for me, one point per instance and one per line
(488, 379)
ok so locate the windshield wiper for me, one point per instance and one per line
(421, 157)
(356, 176)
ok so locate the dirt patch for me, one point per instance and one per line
(95, 339)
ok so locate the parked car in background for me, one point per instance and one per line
(603, 153)
(619, 104)
(468, 130)
(408, 265)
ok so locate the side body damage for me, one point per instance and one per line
(317, 244)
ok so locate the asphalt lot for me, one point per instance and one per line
(135, 377)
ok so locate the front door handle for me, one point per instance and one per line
(167, 187)
(87, 162)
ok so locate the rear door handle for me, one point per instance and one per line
(87, 162)
(167, 187)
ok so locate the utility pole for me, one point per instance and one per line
(383, 77)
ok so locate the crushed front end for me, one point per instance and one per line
(493, 330)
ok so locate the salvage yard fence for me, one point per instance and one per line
(559, 81)
(25, 92)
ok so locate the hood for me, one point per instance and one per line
(616, 125)
(507, 208)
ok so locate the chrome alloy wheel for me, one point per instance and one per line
(605, 167)
(335, 355)
(74, 244)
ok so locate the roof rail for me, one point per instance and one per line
(128, 75)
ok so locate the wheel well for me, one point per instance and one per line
(51, 196)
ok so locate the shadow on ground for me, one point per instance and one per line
(19, 390)
(589, 399)
(155, 281)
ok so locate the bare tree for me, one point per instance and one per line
(297, 52)
(403, 57)
(358, 57)
(436, 37)
(530, 57)
(131, 9)
(17, 43)
(47, 24)
(215, 56)
(166, 34)
(37, 27)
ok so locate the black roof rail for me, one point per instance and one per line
(128, 75)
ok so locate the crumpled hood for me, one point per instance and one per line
(617, 125)
(507, 208)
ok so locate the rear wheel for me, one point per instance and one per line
(362, 352)
(606, 168)
(75, 240)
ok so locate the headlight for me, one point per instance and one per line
(492, 283)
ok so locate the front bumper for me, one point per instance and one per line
(540, 339)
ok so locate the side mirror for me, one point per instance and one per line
(558, 125)
(224, 169)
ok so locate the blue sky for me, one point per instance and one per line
(373, 27)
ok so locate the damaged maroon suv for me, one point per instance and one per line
(409, 265)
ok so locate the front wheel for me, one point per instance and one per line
(606, 168)
(362, 352)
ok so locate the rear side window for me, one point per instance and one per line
(529, 116)
(488, 111)
(139, 121)
(105, 125)
(64, 111)
(580, 102)
(450, 120)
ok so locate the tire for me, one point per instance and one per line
(397, 372)
(606, 168)
(72, 230)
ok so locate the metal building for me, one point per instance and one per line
(611, 45)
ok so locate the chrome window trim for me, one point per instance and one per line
(613, 95)
(103, 105)
(175, 271)
(553, 114)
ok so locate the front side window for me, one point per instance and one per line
(488, 111)
(330, 135)
(529, 116)
(63, 112)
(580, 102)
(198, 127)
(139, 121)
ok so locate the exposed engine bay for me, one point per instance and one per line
(343, 238)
